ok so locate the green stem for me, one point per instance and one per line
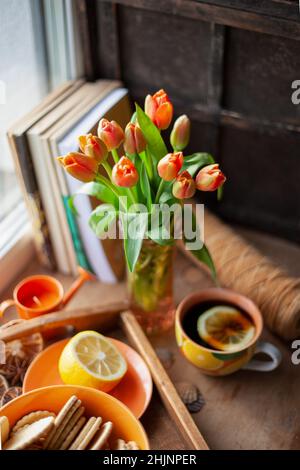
(115, 155)
(148, 164)
(109, 185)
(107, 168)
(160, 190)
(131, 195)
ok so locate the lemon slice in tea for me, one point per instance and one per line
(225, 328)
(91, 360)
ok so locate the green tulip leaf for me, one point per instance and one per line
(152, 135)
(145, 186)
(160, 235)
(134, 227)
(97, 190)
(161, 224)
(202, 254)
(101, 219)
(195, 162)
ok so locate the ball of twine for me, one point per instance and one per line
(244, 269)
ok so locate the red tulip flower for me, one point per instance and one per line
(159, 109)
(210, 178)
(184, 186)
(135, 141)
(80, 166)
(111, 133)
(93, 147)
(170, 165)
(124, 173)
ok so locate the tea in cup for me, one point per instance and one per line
(218, 331)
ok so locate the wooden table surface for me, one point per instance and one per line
(246, 410)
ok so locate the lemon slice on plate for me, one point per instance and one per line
(225, 328)
(91, 360)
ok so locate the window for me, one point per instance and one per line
(37, 50)
(24, 82)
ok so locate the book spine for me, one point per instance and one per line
(77, 243)
(34, 202)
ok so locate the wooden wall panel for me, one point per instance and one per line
(263, 187)
(258, 75)
(165, 51)
(229, 65)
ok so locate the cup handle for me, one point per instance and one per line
(6, 304)
(265, 366)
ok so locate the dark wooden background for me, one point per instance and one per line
(229, 65)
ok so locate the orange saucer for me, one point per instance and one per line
(134, 390)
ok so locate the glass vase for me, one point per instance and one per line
(150, 287)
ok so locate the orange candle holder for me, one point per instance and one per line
(40, 294)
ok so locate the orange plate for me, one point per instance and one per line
(134, 390)
(96, 403)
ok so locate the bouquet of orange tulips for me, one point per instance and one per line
(146, 175)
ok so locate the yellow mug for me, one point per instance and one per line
(215, 362)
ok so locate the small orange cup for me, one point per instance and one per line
(40, 294)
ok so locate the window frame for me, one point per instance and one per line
(20, 250)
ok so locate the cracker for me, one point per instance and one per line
(31, 418)
(61, 427)
(132, 445)
(70, 425)
(73, 433)
(120, 445)
(4, 430)
(29, 434)
(60, 419)
(101, 436)
(87, 434)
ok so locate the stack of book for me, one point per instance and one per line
(64, 240)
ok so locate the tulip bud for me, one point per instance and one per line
(184, 186)
(93, 147)
(80, 166)
(210, 178)
(135, 141)
(170, 165)
(159, 109)
(180, 134)
(111, 133)
(124, 173)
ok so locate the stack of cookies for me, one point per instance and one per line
(70, 429)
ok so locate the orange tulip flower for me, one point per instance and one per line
(210, 178)
(80, 166)
(135, 141)
(180, 134)
(111, 133)
(184, 186)
(170, 165)
(124, 173)
(159, 109)
(93, 147)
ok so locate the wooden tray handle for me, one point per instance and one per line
(173, 403)
(102, 316)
